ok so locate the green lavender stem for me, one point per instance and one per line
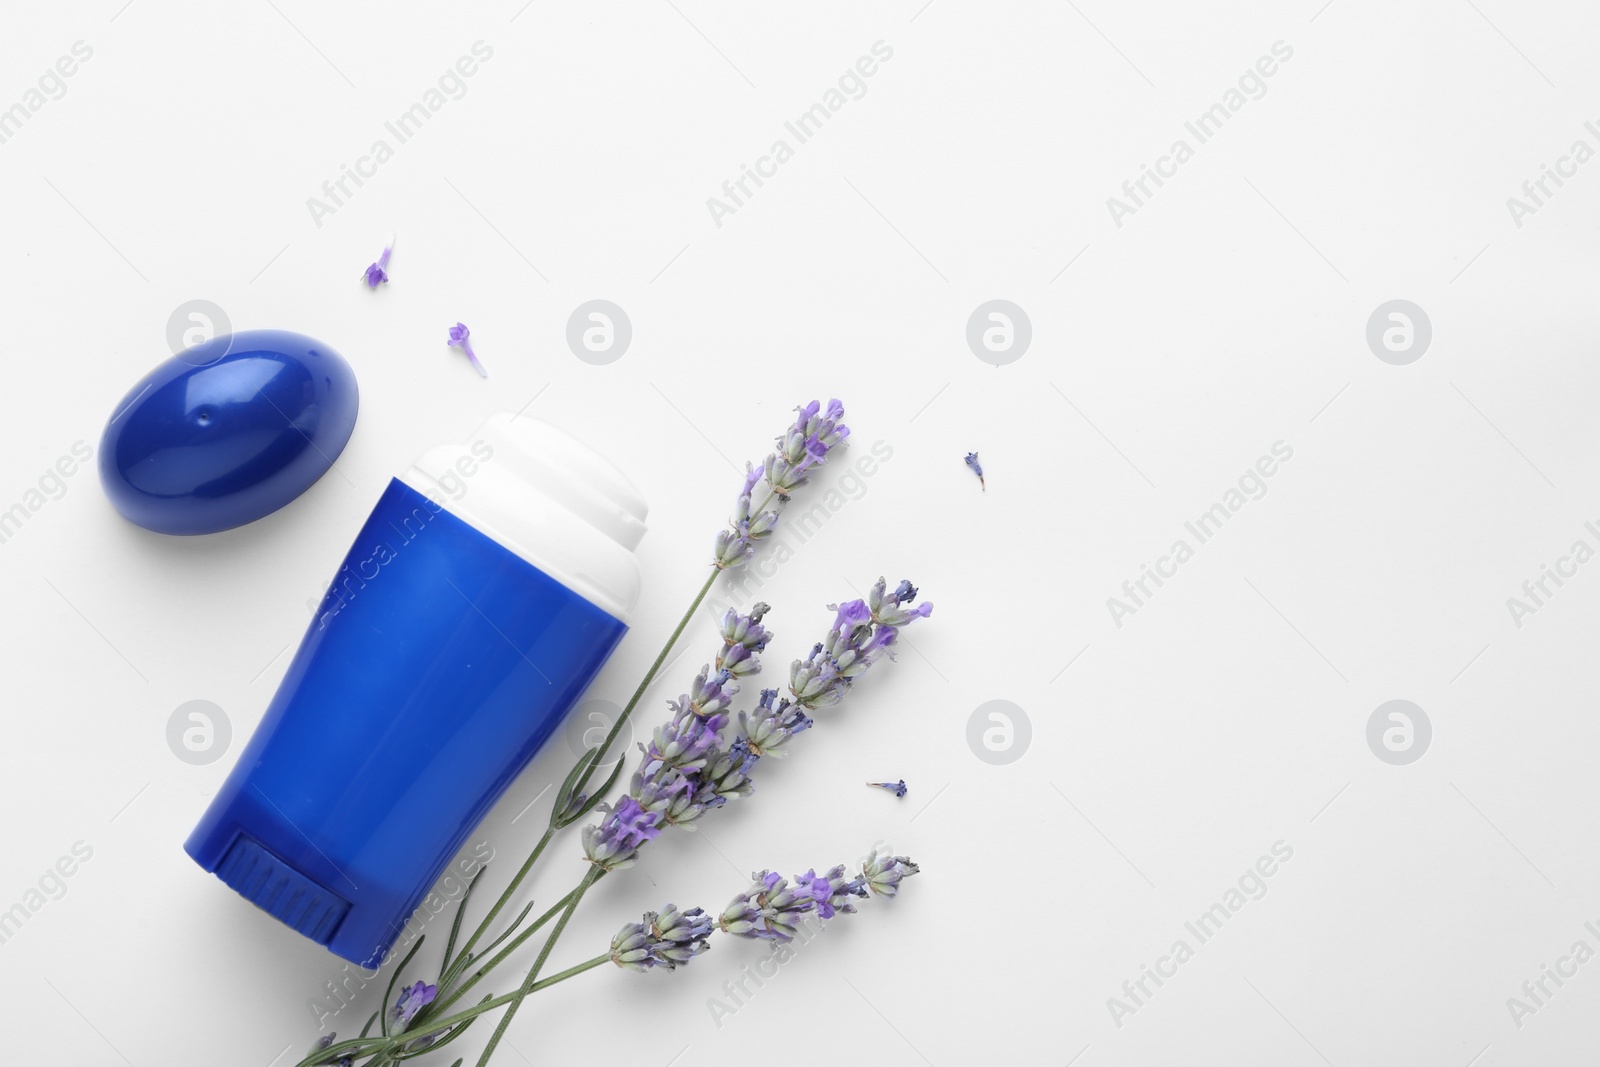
(616, 728)
(382, 1047)
(505, 897)
(499, 957)
(649, 678)
(593, 875)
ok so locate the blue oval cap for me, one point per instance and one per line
(227, 432)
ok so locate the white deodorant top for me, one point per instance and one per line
(553, 501)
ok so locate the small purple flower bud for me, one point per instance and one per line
(413, 1000)
(630, 949)
(459, 335)
(831, 892)
(774, 725)
(897, 788)
(377, 273)
(972, 461)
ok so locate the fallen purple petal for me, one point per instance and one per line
(459, 335)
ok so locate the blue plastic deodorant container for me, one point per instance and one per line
(488, 586)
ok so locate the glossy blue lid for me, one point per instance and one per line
(227, 431)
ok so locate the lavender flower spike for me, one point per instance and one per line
(377, 273)
(413, 1000)
(615, 843)
(863, 632)
(772, 909)
(972, 461)
(897, 788)
(459, 335)
(801, 448)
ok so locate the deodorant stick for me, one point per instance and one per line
(487, 588)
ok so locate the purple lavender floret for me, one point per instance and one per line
(377, 273)
(832, 891)
(775, 722)
(459, 338)
(887, 607)
(412, 1000)
(972, 461)
(664, 939)
(897, 788)
(743, 640)
(614, 843)
(710, 694)
(884, 872)
(770, 910)
(686, 743)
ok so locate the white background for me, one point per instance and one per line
(1167, 754)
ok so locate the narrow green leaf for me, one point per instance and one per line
(571, 785)
(455, 926)
(491, 946)
(599, 795)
